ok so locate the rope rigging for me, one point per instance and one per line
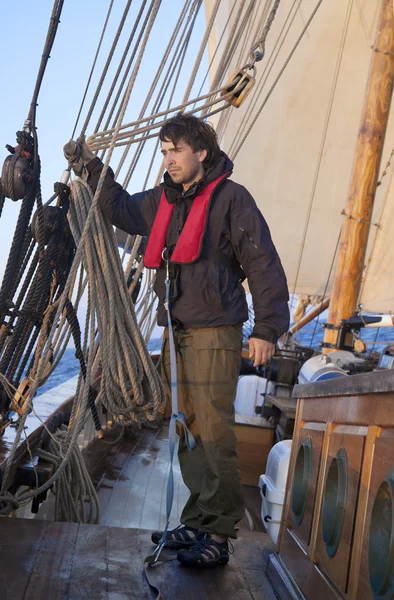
(79, 254)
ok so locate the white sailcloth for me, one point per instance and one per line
(297, 159)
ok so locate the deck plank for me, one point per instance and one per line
(141, 466)
(66, 561)
(85, 582)
(20, 544)
(51, 570)
(119, 472)
(248, 553)
(125, 566)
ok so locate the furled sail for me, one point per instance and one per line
(298, 154)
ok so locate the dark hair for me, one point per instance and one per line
(195, 132)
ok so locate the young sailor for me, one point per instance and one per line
(209, 225)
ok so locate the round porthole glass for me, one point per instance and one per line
(381, 544)
(334, 501)
(302, 473)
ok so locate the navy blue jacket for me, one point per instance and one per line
(206, 293)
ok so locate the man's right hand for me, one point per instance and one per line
(78, 154)
(86, 153)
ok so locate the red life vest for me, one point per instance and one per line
(189, 244)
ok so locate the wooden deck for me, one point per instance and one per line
(43, 559)
(65, 561)
(131, 479)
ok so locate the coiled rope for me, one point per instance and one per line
(73, 489)
(130, 385)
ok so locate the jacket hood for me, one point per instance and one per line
(175, 190)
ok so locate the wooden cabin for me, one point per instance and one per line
(337, 534)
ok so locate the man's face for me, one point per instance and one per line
(183, 165)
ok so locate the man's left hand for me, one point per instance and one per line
(260, 350)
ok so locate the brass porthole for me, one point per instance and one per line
(302, 473)
(381, 541)
(334, 501)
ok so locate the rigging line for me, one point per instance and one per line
(51, 34)
(204, 42)
(195, 7)
(258, 48)
(127, 71)
(218, 44)
(129, 137)
(106, 135)
(176, 64)
(248, 27)
(244, 30)
(265, 74)
(15, 258)
(105, 140)
(267, 71)
(230, 45)
(78, 255)
(234, 40)
(133, 55)
(93, 67)
(327, 282)
(180, 61)
(180, 54)
(259, 25)
(278, 76)
(324, 136)
(106, 66)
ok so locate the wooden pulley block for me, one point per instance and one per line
(241, 82)
(360, 346)
(16, 176)
(19, 400)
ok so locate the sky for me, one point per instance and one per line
(23, 28)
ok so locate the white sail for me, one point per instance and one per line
(297, 159)
(377, 289)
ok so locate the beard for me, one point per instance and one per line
(182, 177)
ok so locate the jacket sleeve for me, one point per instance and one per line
(119, 207)
(256, 253)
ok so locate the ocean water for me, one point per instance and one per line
(312, 336)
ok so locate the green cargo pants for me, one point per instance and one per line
(208, 363)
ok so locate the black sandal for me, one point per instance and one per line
(180, 537)
(206, 552)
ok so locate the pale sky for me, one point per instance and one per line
(23, 28)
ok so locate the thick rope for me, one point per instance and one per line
(131, 386)
(73, 489)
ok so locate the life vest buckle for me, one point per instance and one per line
(241, 82)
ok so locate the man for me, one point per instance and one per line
(209, 226)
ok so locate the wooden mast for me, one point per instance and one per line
(364, 177)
